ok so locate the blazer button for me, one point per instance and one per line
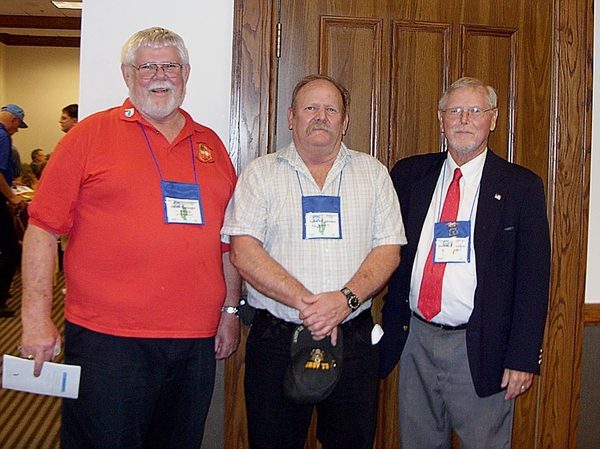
(405, 328)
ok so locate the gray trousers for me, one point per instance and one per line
(436, 395)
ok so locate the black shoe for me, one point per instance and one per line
(5, 312)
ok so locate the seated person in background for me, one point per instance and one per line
(16, 158)
(68, 117)
(38, 158)
(28, 177)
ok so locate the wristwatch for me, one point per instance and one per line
(353, 300)
(230, 310)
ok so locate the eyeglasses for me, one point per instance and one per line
(150, 69)
(473, 112)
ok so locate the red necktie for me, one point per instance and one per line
(430, 295)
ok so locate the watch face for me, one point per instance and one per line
(353, 300)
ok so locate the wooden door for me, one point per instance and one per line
(396, 58)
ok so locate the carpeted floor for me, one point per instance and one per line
(28, 421)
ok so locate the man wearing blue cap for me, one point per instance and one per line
(11, 119)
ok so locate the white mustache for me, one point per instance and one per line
(167, 85)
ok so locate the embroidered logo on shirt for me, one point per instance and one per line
(204, 153)
(129, 112)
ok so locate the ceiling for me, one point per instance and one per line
(38, 23)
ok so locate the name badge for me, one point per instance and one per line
(321, 217)
(452, 242)
(182, 203)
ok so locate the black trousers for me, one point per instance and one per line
(137, 393)
(346, 419)
(10, 251)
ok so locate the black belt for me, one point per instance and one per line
(267, 316)
(440, 326)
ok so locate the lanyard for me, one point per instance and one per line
(156, 162)
(442, 190)
(302, 191)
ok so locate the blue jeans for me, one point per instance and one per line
(345, 419)
(137, 392)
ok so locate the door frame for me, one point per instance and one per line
(254, 100)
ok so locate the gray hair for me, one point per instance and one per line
(467, 81)
(155, 37)
(339, 86)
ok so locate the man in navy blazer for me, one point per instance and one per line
(462, 368)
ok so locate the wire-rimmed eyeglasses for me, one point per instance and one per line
(473, 112)
(150, 69)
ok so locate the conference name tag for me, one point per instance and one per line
(452, 242)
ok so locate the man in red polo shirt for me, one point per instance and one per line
(141, 189)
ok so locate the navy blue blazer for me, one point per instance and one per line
(512, 244)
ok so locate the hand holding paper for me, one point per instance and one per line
(57, 379)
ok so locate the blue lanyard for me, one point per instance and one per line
(156, 162)
(339, 185)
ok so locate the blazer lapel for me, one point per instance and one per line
(421, 195)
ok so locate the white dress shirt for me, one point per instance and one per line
(460, 279)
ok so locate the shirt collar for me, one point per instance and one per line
(291, 155)
(129, 113)
(471, 171)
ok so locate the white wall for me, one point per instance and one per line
(206, 27)
(593, 263)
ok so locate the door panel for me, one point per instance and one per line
(417, 85)
(359, 40)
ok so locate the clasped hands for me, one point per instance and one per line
(321, 314)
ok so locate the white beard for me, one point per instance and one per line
(462, 148)
(146, 104)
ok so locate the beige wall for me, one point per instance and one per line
(2, 81)
(42, 80)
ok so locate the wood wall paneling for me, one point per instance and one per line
(568, 199)
(591, 315)
(252, 69)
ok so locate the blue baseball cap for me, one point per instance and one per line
(17, 111)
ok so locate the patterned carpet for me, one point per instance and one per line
(28, 421)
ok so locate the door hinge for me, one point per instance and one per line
(278, 41)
